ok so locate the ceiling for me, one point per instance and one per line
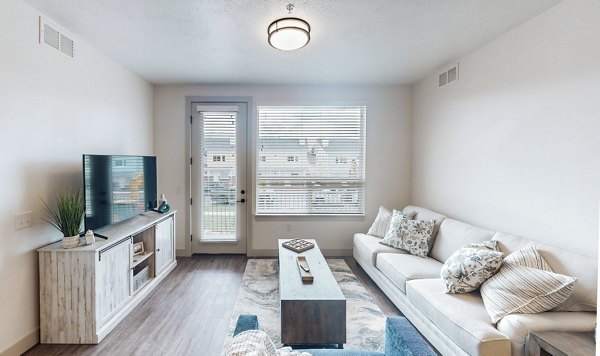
(225, 41)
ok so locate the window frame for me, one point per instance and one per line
(259, 156)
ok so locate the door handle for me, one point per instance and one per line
(241, 201)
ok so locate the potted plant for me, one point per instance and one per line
(67, 216)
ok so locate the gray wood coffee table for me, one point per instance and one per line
(311, 313)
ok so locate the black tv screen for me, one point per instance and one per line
(117, 188)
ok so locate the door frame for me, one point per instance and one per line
(200, 100)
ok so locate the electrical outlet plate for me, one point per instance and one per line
(24, 220)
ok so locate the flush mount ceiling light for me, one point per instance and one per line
(289, 33)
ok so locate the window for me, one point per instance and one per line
(327, 146)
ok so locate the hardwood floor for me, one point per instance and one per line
(189, 312)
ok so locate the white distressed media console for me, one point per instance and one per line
(86, 291)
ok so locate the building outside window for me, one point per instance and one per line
(327, 147)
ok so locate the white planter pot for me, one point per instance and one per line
(70, 241)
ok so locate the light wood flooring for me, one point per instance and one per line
(188, 313)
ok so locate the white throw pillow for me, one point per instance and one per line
(250, 342)
(526, 285)
(412, 236)
(470, 266)
(382, 222)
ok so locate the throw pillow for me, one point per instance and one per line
(250, 342)
(528, 256)
(470, 266)
(521, 288)
(410, 235)
(382, 221)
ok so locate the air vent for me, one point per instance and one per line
(452, 74)
(55, 38)
(448, 76)
(443, 80)
(51, 36)
(66, 45)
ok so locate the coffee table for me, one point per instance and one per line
(311, 313)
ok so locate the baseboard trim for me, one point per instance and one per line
(183, 252)
(274, 252)
(19, 347)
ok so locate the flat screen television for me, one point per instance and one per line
(117, 188)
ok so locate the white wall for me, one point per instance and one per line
(54, 109)
(514, 145)
(388, 156)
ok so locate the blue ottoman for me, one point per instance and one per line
(401, 339)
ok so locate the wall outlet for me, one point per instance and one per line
(24, 220)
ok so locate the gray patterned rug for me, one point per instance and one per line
(259, 294)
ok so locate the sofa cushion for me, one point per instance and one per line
(462, 317)
(402, 268)
(367, 247)
(562, 261)
(382, 222)
(470, 266)
(454, 234)
(412, 236)
(516, 326)
(426, 214)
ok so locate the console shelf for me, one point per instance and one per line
(140, 258)
(86, 291)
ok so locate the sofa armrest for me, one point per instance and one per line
(401, 338)
(246, 322)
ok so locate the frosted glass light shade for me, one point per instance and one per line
(289, 33)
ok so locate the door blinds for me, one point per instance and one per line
(217, 140)
(310, 160)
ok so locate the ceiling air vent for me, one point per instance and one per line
(55, 38)
(449, 76)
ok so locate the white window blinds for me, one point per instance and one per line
(310, 160)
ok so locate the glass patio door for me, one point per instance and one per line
(218, 178)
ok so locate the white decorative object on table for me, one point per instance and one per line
(89, 237)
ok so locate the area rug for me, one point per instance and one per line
(259, 294)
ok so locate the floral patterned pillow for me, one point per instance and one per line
(470, 266)
(382, 222)
(410, 235)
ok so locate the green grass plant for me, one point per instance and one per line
(68, 215)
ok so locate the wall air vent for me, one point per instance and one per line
(449, 76)
(443, 79)
(55, 38)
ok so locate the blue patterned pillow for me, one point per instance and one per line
(470, 266)
(412, 236)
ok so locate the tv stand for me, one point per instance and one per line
(86, 291)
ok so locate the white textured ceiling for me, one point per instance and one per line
(225, 41)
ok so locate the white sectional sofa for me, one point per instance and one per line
(458, 324)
